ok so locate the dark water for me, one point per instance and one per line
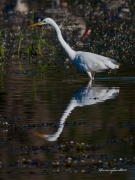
(55, 124)
(91, 126)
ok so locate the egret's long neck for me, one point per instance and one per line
(71, 53)
(66, 113)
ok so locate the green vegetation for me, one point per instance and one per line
(36, 41)
(19, 43)
(1, 45)
(53, 50)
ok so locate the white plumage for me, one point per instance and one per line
(84, 96)
(85, 61)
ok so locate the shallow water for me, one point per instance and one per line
(89, 128)
(92, 125)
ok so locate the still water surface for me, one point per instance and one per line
(89, 127)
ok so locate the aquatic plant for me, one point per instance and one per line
(30, 46)
(19, 43)
(1, 45)
(34, 47)
(32, 17)
(53, 50)
(29, 49)
(36, 40)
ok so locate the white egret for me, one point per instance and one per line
(85, 61)
(86, 95)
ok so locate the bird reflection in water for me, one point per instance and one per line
(86, 95)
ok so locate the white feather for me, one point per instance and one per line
(85, 61)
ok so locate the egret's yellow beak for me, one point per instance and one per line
(39, 135)
(36, 24)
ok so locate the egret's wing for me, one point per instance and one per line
(91, 95)
(89, 61)
(110, 63)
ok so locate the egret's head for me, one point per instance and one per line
(45, 21)
(45, 136)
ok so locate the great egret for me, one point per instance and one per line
(86, 95)
(85, 61)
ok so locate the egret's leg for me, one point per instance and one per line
(93, 74)
(90, 75)
(90, 83)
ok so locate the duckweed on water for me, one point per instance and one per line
(72, 156)
(69, 159)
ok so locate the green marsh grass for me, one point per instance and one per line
(20, 41)
(30, 49)
(53, 50)
(1, 45)
(37, 41)
(34, 47)
(21, 37)
(20, 66)
(19, 44)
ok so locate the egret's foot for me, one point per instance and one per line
(90, 75)
(90, 83)
(93, 74)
